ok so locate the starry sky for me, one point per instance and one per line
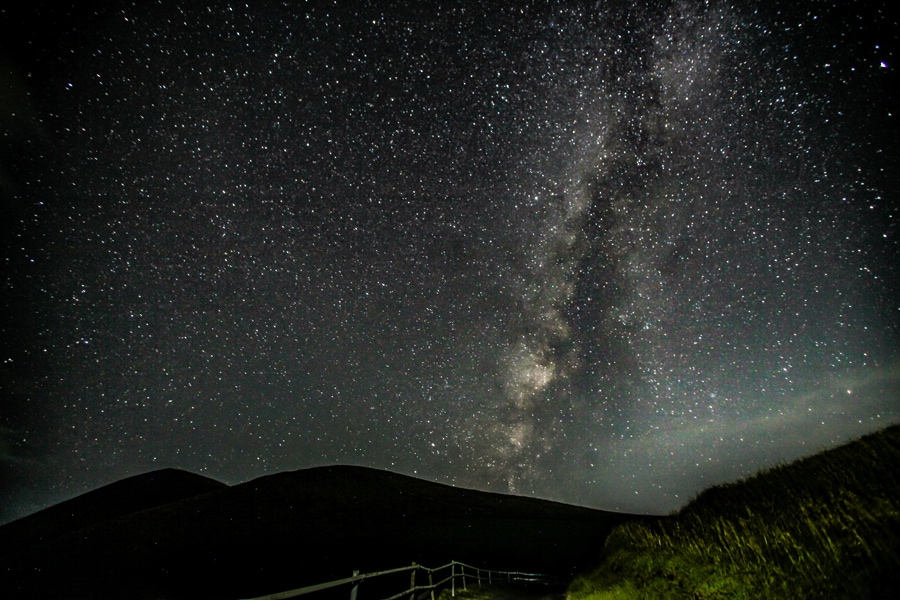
(608, 253)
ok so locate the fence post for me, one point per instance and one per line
(453, 579)
(463, 569)
(355, 587)
(431, 585)
(412, 582)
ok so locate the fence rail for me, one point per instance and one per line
(457, 572)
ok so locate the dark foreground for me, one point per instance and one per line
(177, 535)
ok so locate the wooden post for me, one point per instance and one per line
(412, 583)
(355, 587)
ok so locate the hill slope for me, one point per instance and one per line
(117, 499)
(292, 529)
(827, 526)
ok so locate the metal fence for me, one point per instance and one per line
(451, 572)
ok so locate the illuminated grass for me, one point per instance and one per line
(501, 591)
(824, 527)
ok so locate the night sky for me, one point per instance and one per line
(608, 253)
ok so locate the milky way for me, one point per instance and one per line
(607, 253)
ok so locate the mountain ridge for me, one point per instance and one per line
(124, 496)
(290, 529)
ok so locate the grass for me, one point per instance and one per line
(827, 526)
(504, 591)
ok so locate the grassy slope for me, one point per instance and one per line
(827, 526)
(501, 591)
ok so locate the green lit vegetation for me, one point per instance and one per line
(827, 526)
(503, 591)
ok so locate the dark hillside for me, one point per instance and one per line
(123, 497)
(292, 529)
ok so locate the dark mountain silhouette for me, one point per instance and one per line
(130, 495)
(177, 535)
